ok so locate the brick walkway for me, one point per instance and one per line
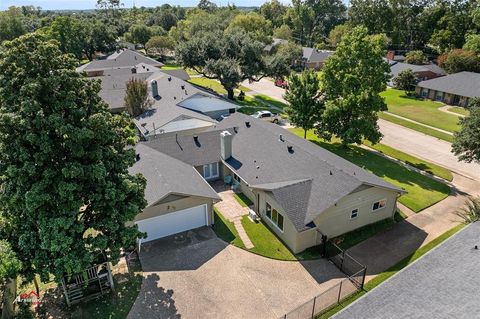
(232, 211)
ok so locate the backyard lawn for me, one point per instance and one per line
(422, 191)
(422, 111)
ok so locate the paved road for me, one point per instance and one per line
(201, 276)
(266, 86)
(427, 147)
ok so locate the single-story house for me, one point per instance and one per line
(303, 192)
(275, 42)
(123, 58)
(453, 89)
(422, 72)
(315, 58)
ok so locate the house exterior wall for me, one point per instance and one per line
(447, 98)
(172, 206)
(199, 169)
(336, 220)
(427, 75)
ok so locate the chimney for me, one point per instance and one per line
(154, 85)
(226, 145)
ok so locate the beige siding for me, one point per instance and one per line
(172, 206)
(336, 220)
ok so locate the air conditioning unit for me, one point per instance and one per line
(253, 215)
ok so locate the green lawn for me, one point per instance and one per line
(413, 161)
(215, 85)
(380, 278)
(251, 105)
(459, 110)
(417, 127)
(242, 199)
(225, 230)
(265, 241)
(422, 111)
(269, 100)
(422, 191)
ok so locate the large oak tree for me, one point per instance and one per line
(66, 193)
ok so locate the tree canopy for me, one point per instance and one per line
(353, 78)
(466, 144)
(416, 57)
(229, 57)
(406, 80)
(66, 191)
(306, 100)
(459, 60)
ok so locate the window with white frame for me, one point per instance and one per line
(354, 213)
(210, 171)
(379, 205)
(274, 216)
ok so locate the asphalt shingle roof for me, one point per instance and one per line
(122, 59)
(463, 84)
(166, 175)
(308, 174)
(315, 55)
(397, 67)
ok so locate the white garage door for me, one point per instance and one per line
(172, 223)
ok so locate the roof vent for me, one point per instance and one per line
(143, 66)
(183, 87)
(235, 129)
(169, 78)
(137, 157)
(134, 70)
(247, 124)
(331, 173)
(195, 139)
(281, 139)
(290, 149)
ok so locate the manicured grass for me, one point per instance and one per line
(225, 230)
(265, 241)
(242, 199)
(358, 235)
(422, 191)
(115, 305)
(412, 161)
(423, 111)
(169, 66)
(250, 105)
(459, 110)
(209, 84)
(417, 127)
(269, 100)
(380, 278)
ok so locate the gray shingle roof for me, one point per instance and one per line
(315, 55)
(205, 150)
(262, 160)
(397, 67)
(463, 84)
(166, 175)
(122, 59)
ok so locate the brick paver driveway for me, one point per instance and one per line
(198, 275)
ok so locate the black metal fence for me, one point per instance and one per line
(346, 287)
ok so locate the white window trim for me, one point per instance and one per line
(210, 169)
(271, 220)
(380, 208)
(351, 212)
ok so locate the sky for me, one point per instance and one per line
(90, 4)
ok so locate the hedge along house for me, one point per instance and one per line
(453, 89)
(299, 189)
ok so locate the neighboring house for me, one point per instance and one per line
(453, 89)
(178, 198)
(391, 55)
(177, 106)
(314, 58)
(422, 72)
(302, 191)
(124, 58)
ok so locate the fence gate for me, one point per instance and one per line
(354, 270)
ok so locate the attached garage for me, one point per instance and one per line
(173, 223)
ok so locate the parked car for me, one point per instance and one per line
(281, 83)
(266, 116)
